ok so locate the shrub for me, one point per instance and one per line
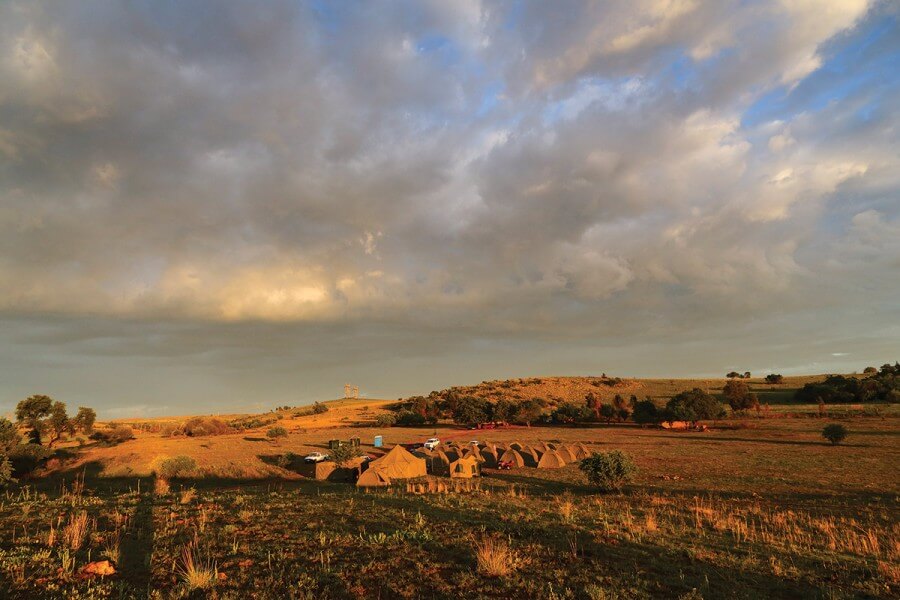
(608, 471)
(25, 458)
(6, 472)
(276, 432)
(319, 408)
(774, 378)
(200, 426)
(177, 466)
(835, 433)
(870, 370)
(385, 420)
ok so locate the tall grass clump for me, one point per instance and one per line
(196, 573)
(495, 558)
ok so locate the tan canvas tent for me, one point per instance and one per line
(583, 451)
(530, 456)
(568, 453)
(513, 457)
(399, 464)
(438, 464)
(551, 460)
(465, 468)
(372, 478)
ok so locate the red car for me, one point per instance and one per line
(504, 465)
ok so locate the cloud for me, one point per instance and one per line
(506, 171)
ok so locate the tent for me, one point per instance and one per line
(399, 464)
(439, 464)
(530, 456)
(516, 445)
(514, 457)
(373, 478)
(466, 467)
(568, 453)
(540, 447)
(583, 451)
(551, 460)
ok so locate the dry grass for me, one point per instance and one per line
(196, 573)
(495, 558)
(76, 529)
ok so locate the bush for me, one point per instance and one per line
(774, 378)
(870, 370)
(385, 420)
(835, 433)
(608, 471)
(276, 432)
(6, 471)
(25, 458)
(318, 408)
(120, 433)
(178, 466)
(200, 426)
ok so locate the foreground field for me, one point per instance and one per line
(762, 509)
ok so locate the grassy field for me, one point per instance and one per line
(753, 508)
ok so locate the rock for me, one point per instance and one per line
(100, 567)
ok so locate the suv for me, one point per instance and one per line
(431, 443)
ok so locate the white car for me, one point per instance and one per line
(431, 443)
(315, 457)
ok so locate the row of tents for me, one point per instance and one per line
(465, 461)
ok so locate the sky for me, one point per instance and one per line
(212, 207)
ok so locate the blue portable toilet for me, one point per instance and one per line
(378, 441)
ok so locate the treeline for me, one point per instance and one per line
(691, 406)
(882, 385)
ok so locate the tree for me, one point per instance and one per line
(607, 411)
(85, 419)
(609, 471)
(277, 432)
(31, 413)
(569, 412)
(344, 453)
(774, 378)
(319, 408)
(746, 375)
(645, 412)
(739, 396)
(528, 412)
(835, 433)
(471, 410)
(504, 410)
(870, 370)
(733, 375)
(385, 420)
(9, 436)
(593, 403)
(58, 423)
(410, 418)
(693, 406)
(623, 411)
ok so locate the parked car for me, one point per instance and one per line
(315, 457)
(431, 443)
(504, 465)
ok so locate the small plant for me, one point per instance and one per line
(75, 531)
(835, 433)
(608, 471)
(495, 558)
(177, 466)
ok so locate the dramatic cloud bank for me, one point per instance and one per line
(242, 204)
